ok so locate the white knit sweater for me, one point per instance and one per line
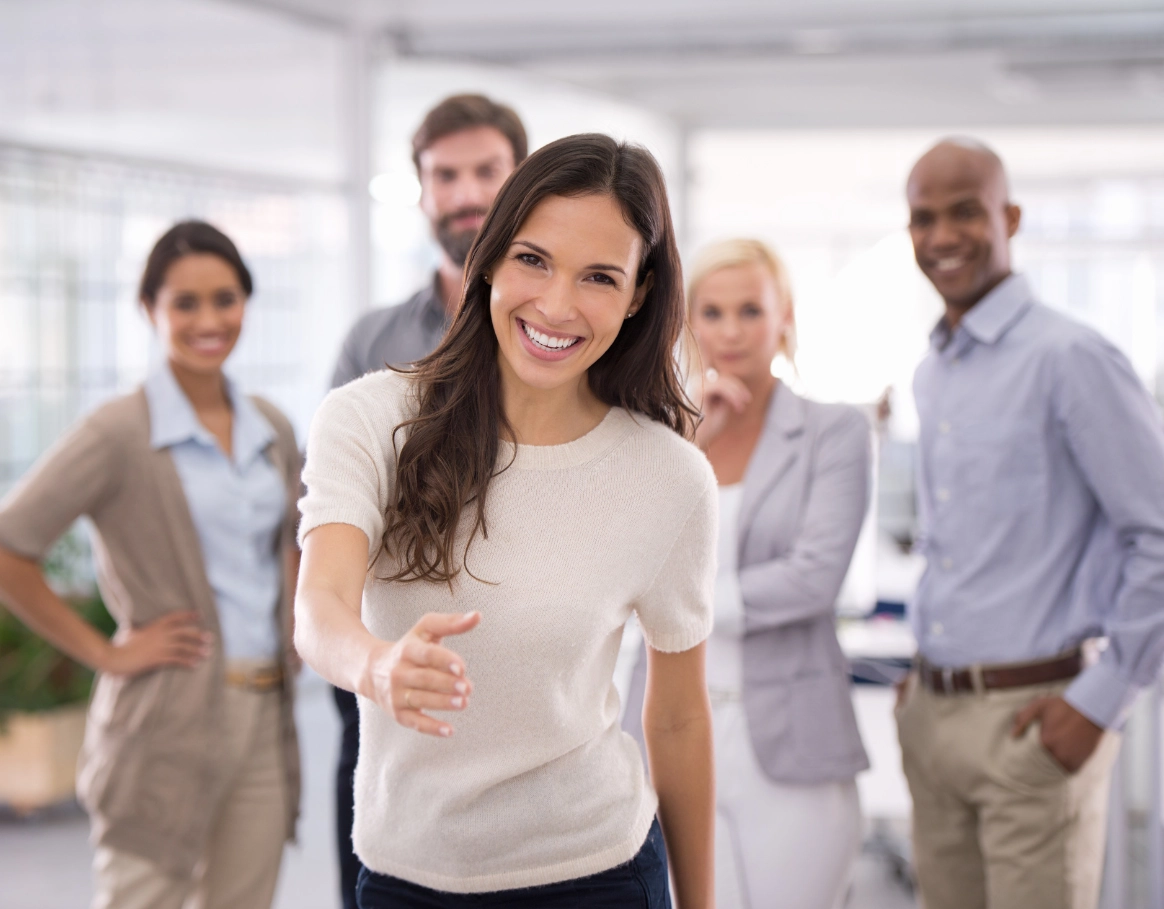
(538, 784)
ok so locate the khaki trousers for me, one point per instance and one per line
(997, 823)
(241, 865)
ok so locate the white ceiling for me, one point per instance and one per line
(182, 80)
(614, 17)
(259, 84)
(804, 63)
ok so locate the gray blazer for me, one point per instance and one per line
(806, 491)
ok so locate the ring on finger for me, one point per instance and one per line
(408, 698)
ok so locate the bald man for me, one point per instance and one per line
(1041, 498)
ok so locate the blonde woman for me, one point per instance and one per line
(793, 479)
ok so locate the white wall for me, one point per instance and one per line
(832, 202)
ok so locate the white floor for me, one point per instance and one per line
(44, 861)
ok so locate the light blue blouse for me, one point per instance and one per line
(237, 505)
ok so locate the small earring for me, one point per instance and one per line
(628, 315)
(485, 277)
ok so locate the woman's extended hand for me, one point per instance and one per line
(175, 639)
(417, 674)
(722, 396)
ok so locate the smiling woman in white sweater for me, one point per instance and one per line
(476, 534)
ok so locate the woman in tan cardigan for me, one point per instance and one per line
(190, 755)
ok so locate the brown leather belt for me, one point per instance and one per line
(941, 680)
(261, 679)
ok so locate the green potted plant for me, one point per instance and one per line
(44, 694)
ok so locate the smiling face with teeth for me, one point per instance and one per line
(198, 313)
(562, 291)
(961, 221)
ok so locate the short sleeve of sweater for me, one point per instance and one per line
(347, 474)
(73, 478)
(676, 610)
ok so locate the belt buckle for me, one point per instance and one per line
(261, 680)
(947, 680)
(267, 679)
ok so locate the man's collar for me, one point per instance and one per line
(992, 316)
(434, 303)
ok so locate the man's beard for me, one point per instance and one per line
(457, 244)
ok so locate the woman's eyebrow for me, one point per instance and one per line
(543, 253)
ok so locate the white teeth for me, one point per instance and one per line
(544, 340)
(950, 264)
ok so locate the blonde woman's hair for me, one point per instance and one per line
(737, 252)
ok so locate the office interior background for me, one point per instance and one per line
(287, 123)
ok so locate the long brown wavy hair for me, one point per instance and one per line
(452, 445)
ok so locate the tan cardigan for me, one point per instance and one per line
(149, 772)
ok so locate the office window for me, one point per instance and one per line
(74, 235)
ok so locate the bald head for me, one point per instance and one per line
(960, 159)
(961, 219)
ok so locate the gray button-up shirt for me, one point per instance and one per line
(395, 336)
(1041, 497)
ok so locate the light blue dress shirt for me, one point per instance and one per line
(237, 505)
(1041, 497)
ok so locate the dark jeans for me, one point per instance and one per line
(344, 797)
(639, 884)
